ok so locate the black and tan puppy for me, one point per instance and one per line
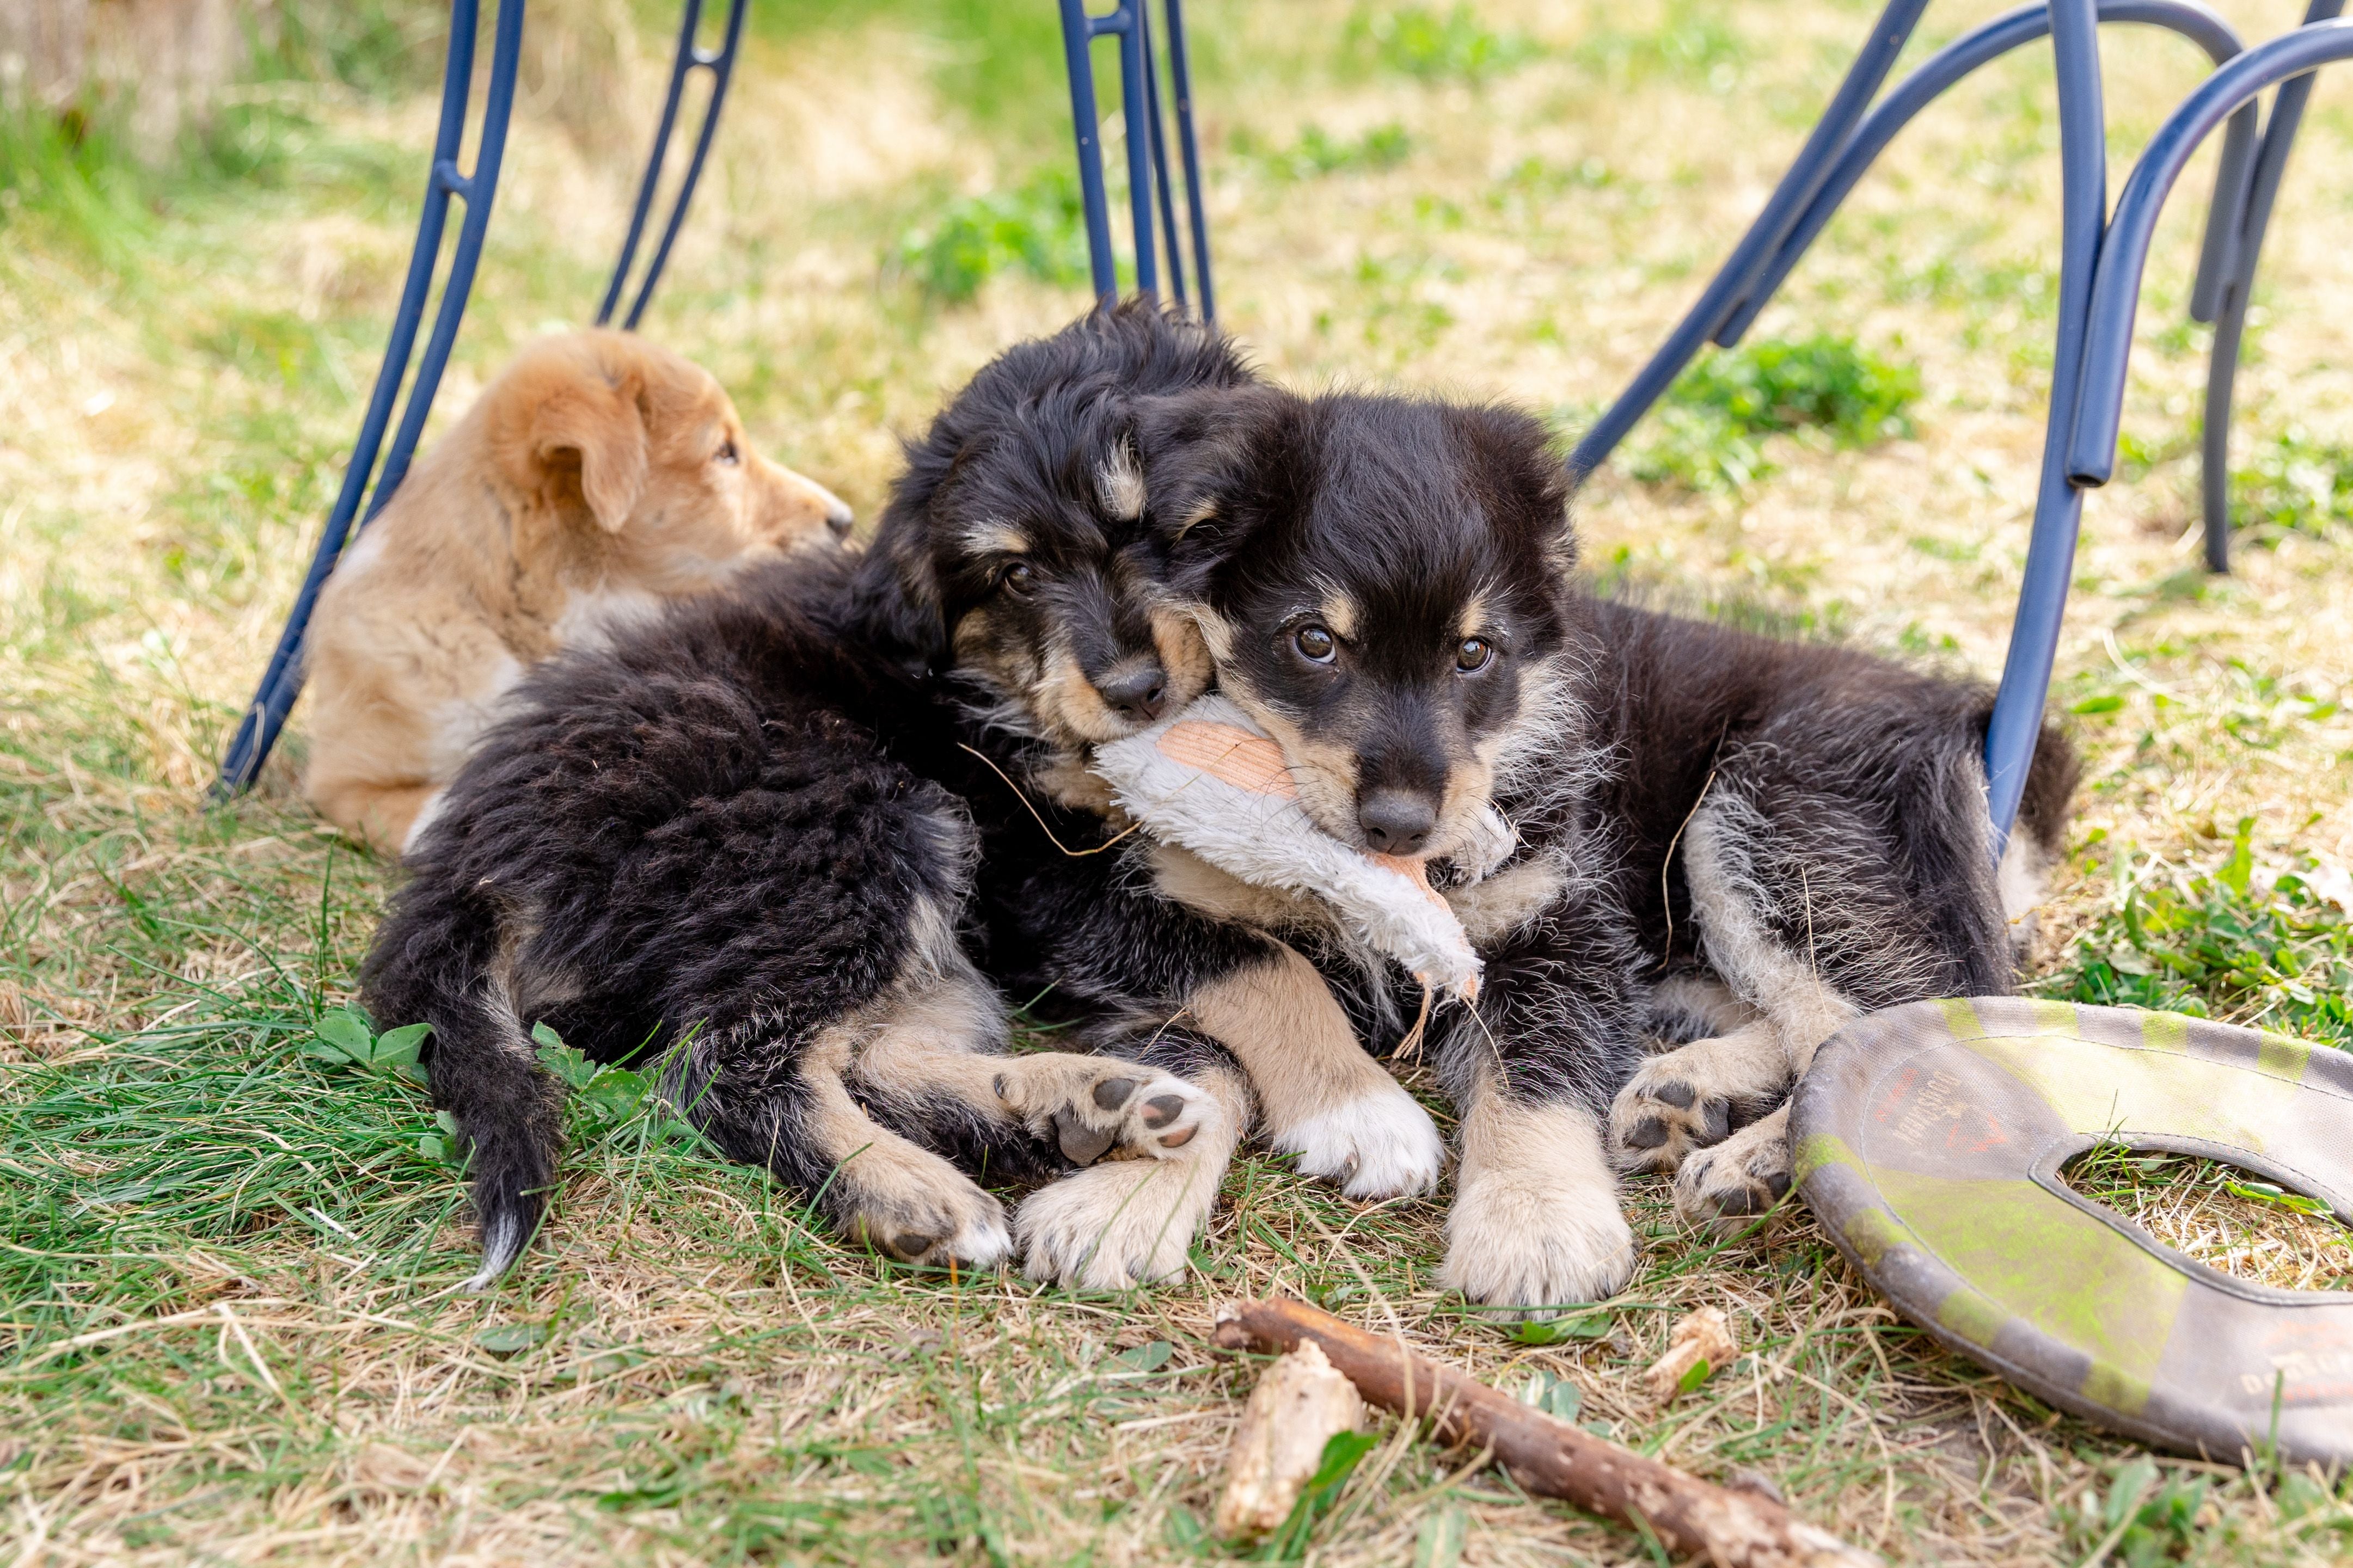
(724, 842)
(1726, 836)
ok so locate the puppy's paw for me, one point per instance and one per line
(1117, 1225)
(1522, 1246)
(950, 1224)
(1695, 1095)
(1379, 1145)
(1090, 1106)
(1721, 1189)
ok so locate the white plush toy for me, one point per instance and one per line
(1210, 779)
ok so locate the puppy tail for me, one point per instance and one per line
(435, 961)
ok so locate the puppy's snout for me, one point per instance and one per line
(1137, 693)
(1397, 821)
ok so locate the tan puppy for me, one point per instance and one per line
(597, 477)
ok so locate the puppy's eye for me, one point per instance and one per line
(1473, 654)
(1314, 644)
(1020, 579)
(727, 453)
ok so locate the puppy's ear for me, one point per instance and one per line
(1208, 458)
(1524, 479)
(894, 592)
(588, 440)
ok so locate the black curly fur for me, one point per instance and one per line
(729, 833)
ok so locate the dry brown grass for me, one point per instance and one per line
(267, 1366)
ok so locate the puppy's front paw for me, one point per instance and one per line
(956, 1224)
(1091, 1105)
(1721, 1189)
(1523, 1245)
(1379, 1145)
(1117, 1225)
(1695, 1095)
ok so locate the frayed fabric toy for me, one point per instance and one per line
(1209, 779)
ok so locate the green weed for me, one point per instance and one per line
(1708, 434)
(1317, 153)
(2294, 483)
(1454, 46)
(1037, 227)
(1692, 41)
(2273, 951)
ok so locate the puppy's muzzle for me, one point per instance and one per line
(1136, 690)
(1397, 821)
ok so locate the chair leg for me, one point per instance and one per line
(2230, 317)
(2017, 722)
(1945, 69)
(282, 681)
(1725, 294)
(721, 63)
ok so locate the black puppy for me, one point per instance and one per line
(737, 840)
(1719, 834)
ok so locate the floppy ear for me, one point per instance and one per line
(1210, 456)
(894, 594)
(591, 437)
(1515, 462)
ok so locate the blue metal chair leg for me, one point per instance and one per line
(2017, 723)
(282, 681)
(690, 58)
(1151, 189)
(1730, 289)
(1945, 69)
(2091, 455)
(2230, 317)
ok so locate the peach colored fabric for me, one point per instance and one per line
(1234, 757)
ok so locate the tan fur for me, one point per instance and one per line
(1181, 874)
(1124, 1222)
(1325, 773)
(583, 488)
(906, 1200)
(1281, 1023)
(1535, 1220)
(935, 1045)
(1183, 655)
(1509, 900)
(1339, 613)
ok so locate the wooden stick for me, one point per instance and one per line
(1545, 1454)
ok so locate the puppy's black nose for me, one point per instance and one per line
(839, 519)
(1395, 821)
(1137, 694)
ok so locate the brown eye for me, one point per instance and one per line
(1473, 655)
(1020, 579)
(1314, 644)
(727, 453)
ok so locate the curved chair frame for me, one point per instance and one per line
(690, 58)
(1148, 182)
(281, 682)
(2081, 448)
(1854, 131)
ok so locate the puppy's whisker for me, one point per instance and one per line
(1019, 794)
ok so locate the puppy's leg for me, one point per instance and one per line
(1727, 1169)
(1319, 1094)
(1132, 1222)
(942, 1064)
(878, 1186)
(1535, 1221)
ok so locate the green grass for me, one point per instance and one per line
(2293, 482)
(227, 1247)
(2267, 949)
(1038, 229)
(1710, 429)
